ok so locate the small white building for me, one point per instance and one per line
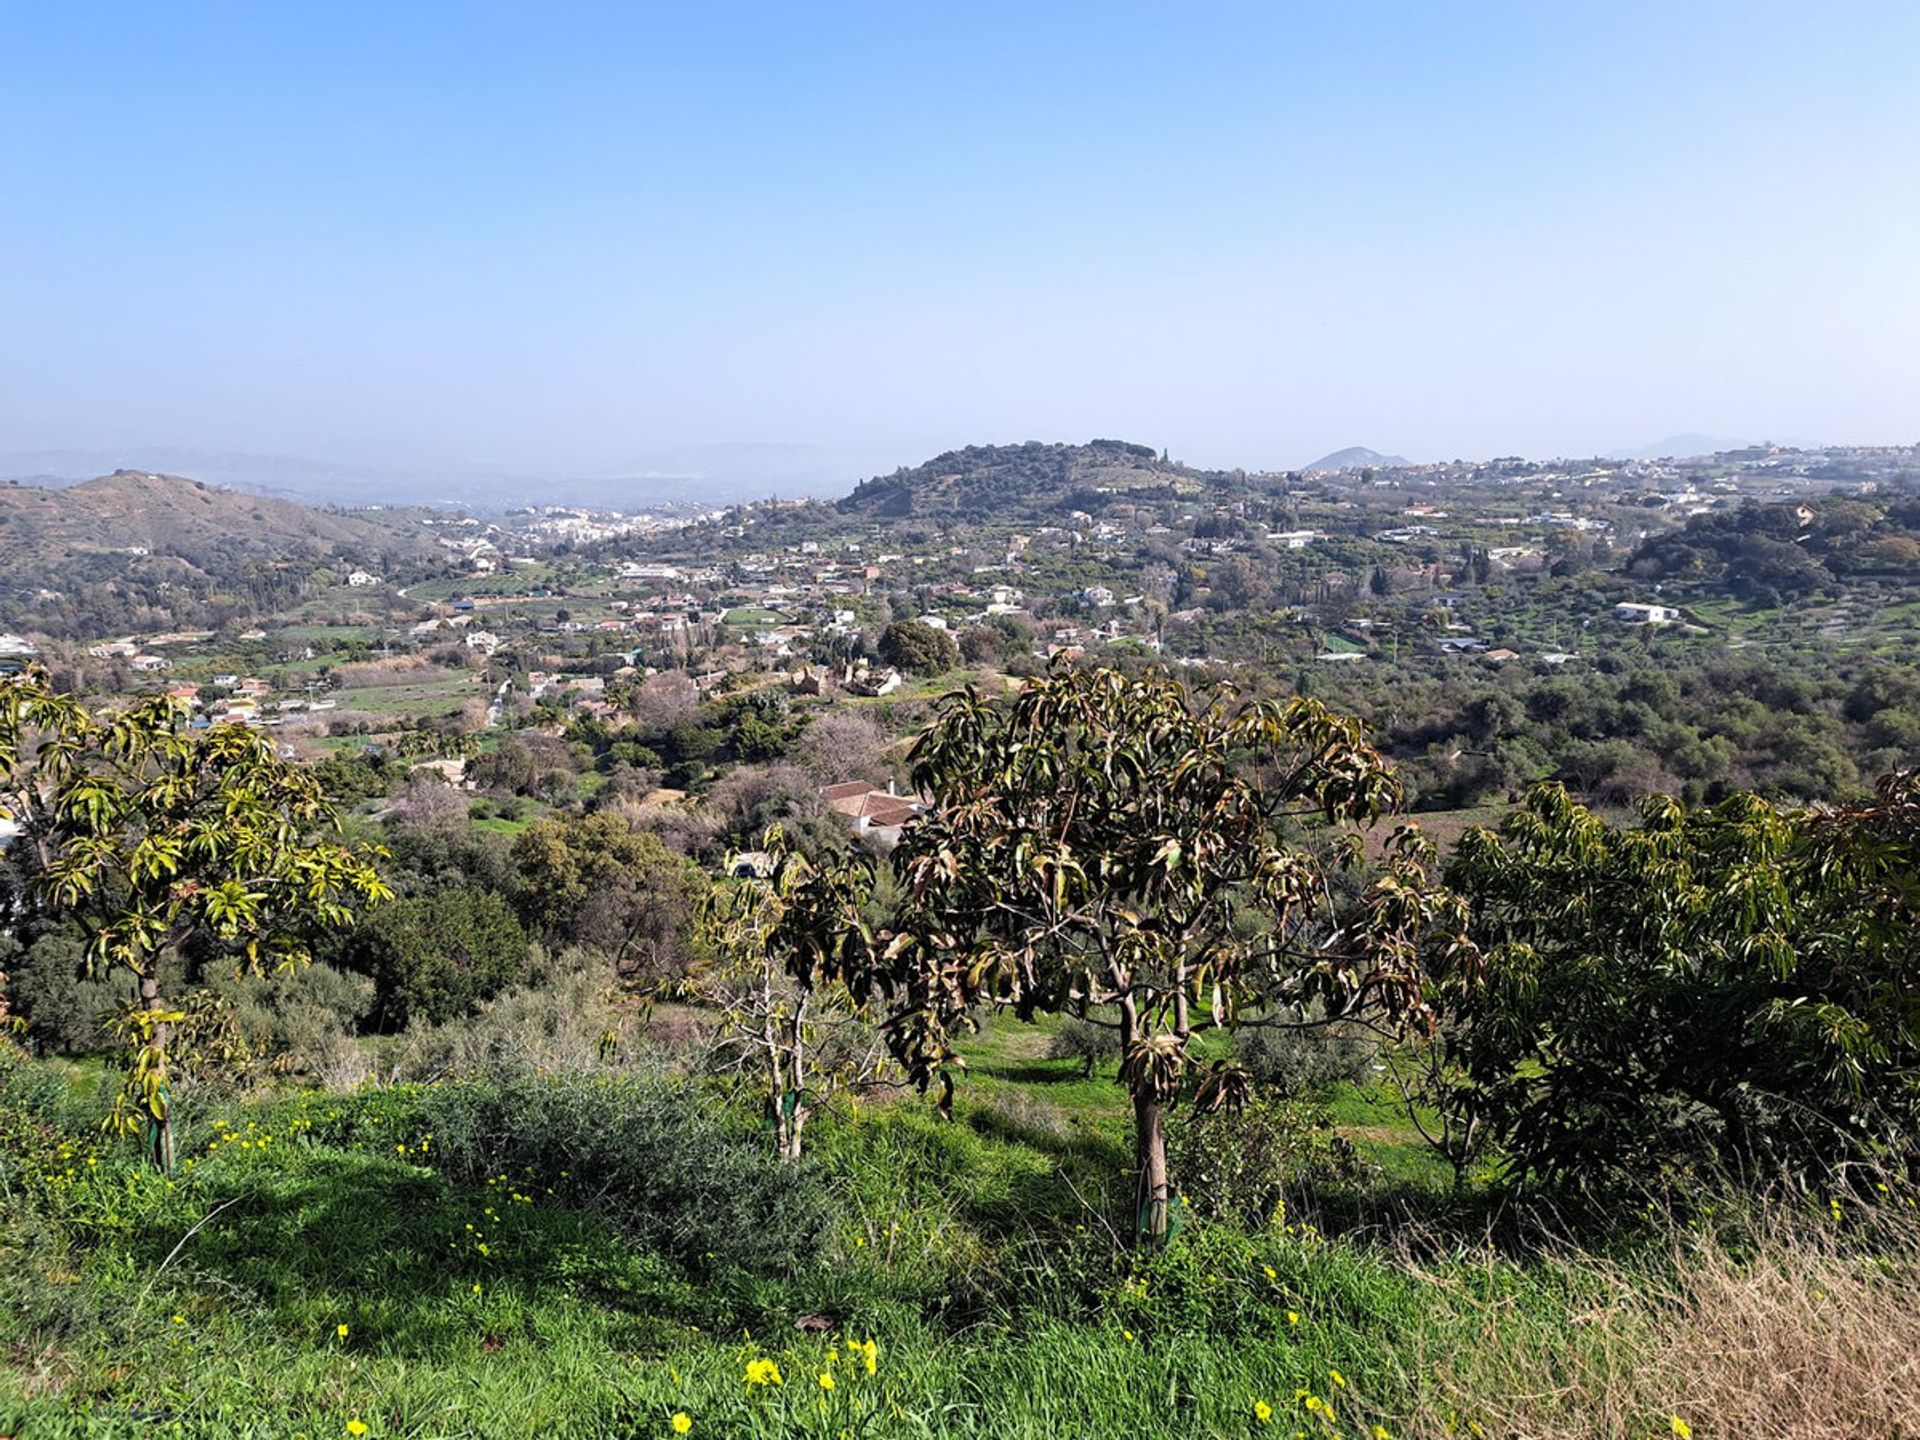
(1630, 612)
(362, 577)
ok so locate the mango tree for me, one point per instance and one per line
(152, 834)
(1730, 989)
(1101, 845)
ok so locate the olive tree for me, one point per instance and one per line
(1101, 844)
(154, 834)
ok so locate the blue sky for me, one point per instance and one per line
(564, 236)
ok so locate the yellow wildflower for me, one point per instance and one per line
(1293, 1317)
(1680, 1428)
(826, 1379)
(1262, 1411)
(341, 1331)
(356, 1427)
(682, 1422)
(1338, 1378)
(763, 1372)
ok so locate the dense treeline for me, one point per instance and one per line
(1700, 729)
(1765, 552)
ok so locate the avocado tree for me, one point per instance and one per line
(153, 834)
(1106, 845)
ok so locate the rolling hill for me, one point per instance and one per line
(133, 548)
(1031, 480)
(171, 515)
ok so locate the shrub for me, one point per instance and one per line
(62, 1004)
(437, 956)
(1297, 1063)
(297, 1018)
(1237, 1167)
(1084, 1041)
(562, 1019)
(653, 1158)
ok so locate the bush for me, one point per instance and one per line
(1238, 1167)
(1084, 1041)
(1297, 1063)
(562, 1019)
(652, 1157)
(436, 956)
(297, 1019)
(62, 1004)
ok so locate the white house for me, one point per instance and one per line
(361, 577)
(1630, 612)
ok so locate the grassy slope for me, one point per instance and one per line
(971, 1252)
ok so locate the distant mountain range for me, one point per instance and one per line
(1356, 457)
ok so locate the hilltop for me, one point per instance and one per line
(1031, 479)
(169, 514)
(1356, 457)
(145, 544)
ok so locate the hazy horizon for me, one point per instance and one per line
(465, 241)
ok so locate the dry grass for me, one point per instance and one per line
(1805, 1332)
(387, 671)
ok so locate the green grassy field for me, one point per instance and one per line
(389, 1263)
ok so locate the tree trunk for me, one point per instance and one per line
(790, 1141)
(1150, 1158)
(156, 1129)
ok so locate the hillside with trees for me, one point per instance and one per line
(1155, 1073)
(1009, 482)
